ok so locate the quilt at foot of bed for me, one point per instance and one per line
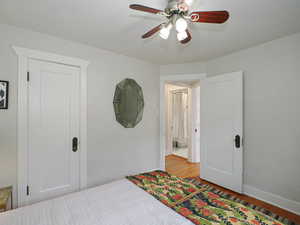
(196, 202)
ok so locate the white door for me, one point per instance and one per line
(222, 130)
(195, 125)
(53, 164)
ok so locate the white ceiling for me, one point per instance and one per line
(113, 26)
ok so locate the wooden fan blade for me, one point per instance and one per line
(152, 32)
(145, 9)
(210, 17)
(188, 39)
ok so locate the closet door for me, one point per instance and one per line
(53, 128)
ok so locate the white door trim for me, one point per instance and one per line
(163, 80)
(195, 135)
(24, 55)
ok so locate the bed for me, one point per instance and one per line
(116, 203)
(154, 198)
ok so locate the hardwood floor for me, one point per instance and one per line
(182, 168)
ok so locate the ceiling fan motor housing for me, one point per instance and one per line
(176, 7)
(172, 4)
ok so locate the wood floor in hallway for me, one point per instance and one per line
(180, 167)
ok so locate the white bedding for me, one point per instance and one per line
(117, 203)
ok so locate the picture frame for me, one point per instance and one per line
(4, 89)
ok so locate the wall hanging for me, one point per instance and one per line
(128, 103)
(3, 94)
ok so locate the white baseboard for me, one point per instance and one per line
(276, 200)
(149, 170)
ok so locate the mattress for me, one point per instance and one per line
(116, 203)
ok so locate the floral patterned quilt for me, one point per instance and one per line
(198, 203)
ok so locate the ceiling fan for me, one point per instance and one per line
(178, 15)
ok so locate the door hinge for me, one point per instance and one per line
(27, 190)
(27, 76)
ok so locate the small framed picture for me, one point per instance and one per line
(3, 94)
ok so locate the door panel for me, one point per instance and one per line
(53, 122)
(221, 120)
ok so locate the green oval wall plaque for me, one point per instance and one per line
(128, 103)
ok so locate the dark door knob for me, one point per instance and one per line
(237, 141)
(75, 144)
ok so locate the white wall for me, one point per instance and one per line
(272, 111)
(187, 68)
(113, 151)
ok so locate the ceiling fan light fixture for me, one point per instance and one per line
(165, 31)
(189, 2)
(178, 14)
(182, 35)
(181, 25)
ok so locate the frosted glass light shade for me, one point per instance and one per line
(181, 25)
(181, 36)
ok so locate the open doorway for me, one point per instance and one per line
(182, 126)
(220, 144)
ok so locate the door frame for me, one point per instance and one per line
(163, 134)
(195, 134)
(24, 55)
